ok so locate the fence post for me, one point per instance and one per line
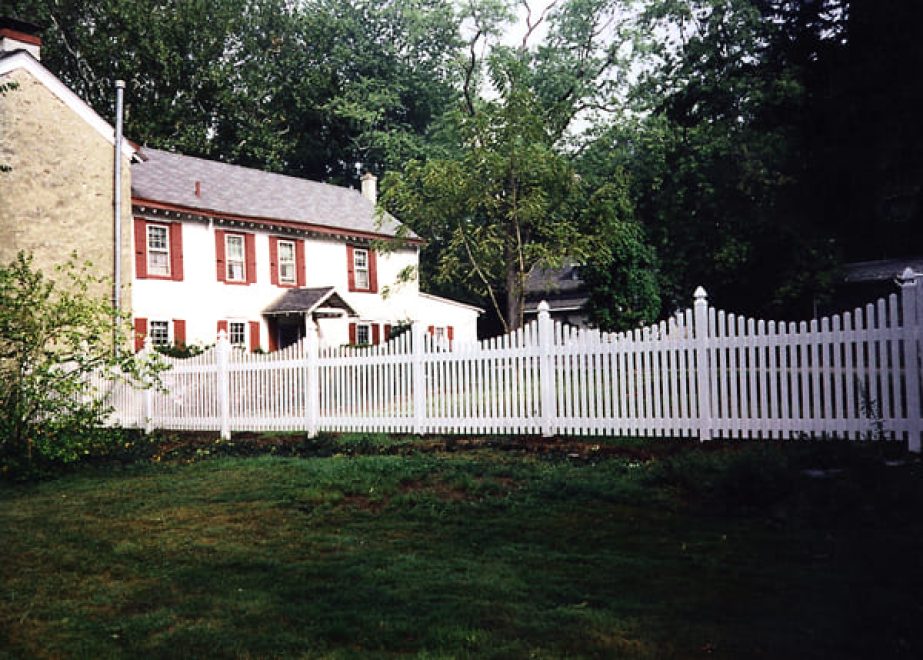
(419, 378)
(148, 393)
(546, 369)
(910, 299)
(312, 386)
(702, 369)
(222, 354)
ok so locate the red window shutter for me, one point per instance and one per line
(387, 331)
(223, 325)
(373, 272)
(254, 335)
(350, 268)
(140, 333)
(352, 333)
(250, 247)
(376, 337)
(221, 269)
(299, 263)
(176, 251)
(274, 260)
(450, 333)
(140, 248)
(179, 332)
(431, 330)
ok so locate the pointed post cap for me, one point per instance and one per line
(544, 307)
(148, 344)
(222, 336)
(700, 294)
(907, 277)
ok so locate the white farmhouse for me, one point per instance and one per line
(263, 255)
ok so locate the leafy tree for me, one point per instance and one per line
(308, 88)
(52, 338)
(501, 193)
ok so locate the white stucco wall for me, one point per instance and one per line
(201, 300)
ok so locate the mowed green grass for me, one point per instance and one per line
(729, 552)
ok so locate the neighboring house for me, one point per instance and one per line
(261, 255)
(58, 197)
(563, 290)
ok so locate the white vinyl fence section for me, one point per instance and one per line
(703, 373)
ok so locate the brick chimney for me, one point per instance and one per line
(20, 35)
(370, 187)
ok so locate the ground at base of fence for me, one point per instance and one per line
(189, 446)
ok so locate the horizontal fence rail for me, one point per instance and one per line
(702, 373)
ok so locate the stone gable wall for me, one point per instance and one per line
(58, 197)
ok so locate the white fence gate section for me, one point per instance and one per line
(703, 373)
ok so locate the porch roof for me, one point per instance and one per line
(306, 301)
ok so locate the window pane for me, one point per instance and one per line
(158, 263)
(235, 248)
(360, 258)
(287, 272)
(235, 270)
(237, 333)
(286, 251)
(362, 334)
(362, 279)
(160, 333)
(156, 237)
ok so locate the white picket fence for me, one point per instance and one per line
(702, 373)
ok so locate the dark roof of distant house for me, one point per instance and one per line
(554, 281)
(881, 270)
(242, 192)
(305, 301)
(562, 288)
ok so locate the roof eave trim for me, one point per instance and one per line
(326, 230)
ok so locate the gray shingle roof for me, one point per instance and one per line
(171, 178)
(307, 300)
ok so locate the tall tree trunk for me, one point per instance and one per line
(515, 298)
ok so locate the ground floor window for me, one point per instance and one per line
(159, 332)
(363, 334)
(237, 334)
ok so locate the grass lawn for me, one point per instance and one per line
(378, 549)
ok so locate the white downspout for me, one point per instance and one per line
(117, 211)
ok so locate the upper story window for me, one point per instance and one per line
(235, 258)
(158, 250)
(361, 268)
(286, 262)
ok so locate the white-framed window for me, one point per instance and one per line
(158, 250)
(235, 252)
(237, 333)
(361, 268)
(159, 332)
(363, 334)
(286, 257)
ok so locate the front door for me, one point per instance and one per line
(289, 329)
